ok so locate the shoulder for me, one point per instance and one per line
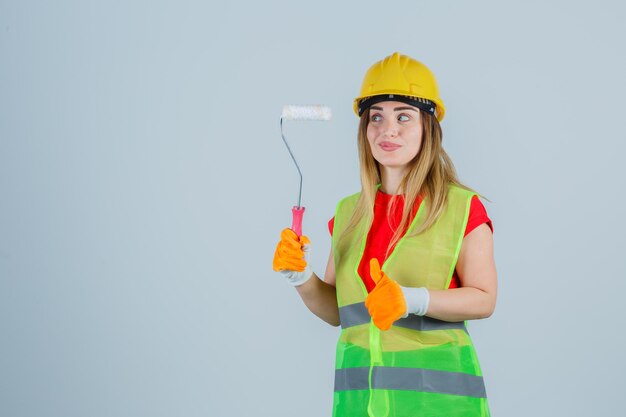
(477, 206)
(454, 191)
(348, 201)
(458, 199)
(351, 197)
(477, 216)
(477, 213)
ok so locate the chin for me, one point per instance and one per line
(392, 160)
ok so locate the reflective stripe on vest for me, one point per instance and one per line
(357, 314)
(428, 380)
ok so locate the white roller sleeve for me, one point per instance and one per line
(315, 112)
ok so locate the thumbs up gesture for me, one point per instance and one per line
(386, 302)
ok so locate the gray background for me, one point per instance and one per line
(144, 185)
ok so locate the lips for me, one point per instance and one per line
(388, 146)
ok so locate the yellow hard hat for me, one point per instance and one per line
(400, 75)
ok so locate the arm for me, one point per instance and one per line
(476, 298)
(321, 296)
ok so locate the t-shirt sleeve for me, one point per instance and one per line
(477, 216)
(331, 224)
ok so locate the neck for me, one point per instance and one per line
(391, 179)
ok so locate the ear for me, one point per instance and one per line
(375, 270)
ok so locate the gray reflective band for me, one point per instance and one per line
(353, 315)
(414, 379)
(356, 314)
(428, 323)
(351, 378)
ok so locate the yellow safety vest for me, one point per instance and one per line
(421, 366)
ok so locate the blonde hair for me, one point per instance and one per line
(428, 174)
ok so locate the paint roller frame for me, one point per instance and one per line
(298, 113)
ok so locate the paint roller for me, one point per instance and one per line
(296, 112)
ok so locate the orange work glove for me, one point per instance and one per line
(291, 257)
(386, 302)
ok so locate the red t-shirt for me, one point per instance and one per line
(380, 233)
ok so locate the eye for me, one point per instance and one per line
(407, 118)
(375, 118)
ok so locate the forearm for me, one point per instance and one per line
(459, 304)
(321, 299)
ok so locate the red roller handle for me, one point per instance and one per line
(296, 224)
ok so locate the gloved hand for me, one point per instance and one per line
(390, 301)
(385, 302)
(291, 258)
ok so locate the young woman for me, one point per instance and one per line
(411, 261)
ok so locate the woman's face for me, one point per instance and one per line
(394, 133)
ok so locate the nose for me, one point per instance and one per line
(390, 128)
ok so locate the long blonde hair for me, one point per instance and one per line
(428, 174)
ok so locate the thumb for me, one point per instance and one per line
(375, 270)
(304, 240)
(306, 246)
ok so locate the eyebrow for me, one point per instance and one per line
(396, 109)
